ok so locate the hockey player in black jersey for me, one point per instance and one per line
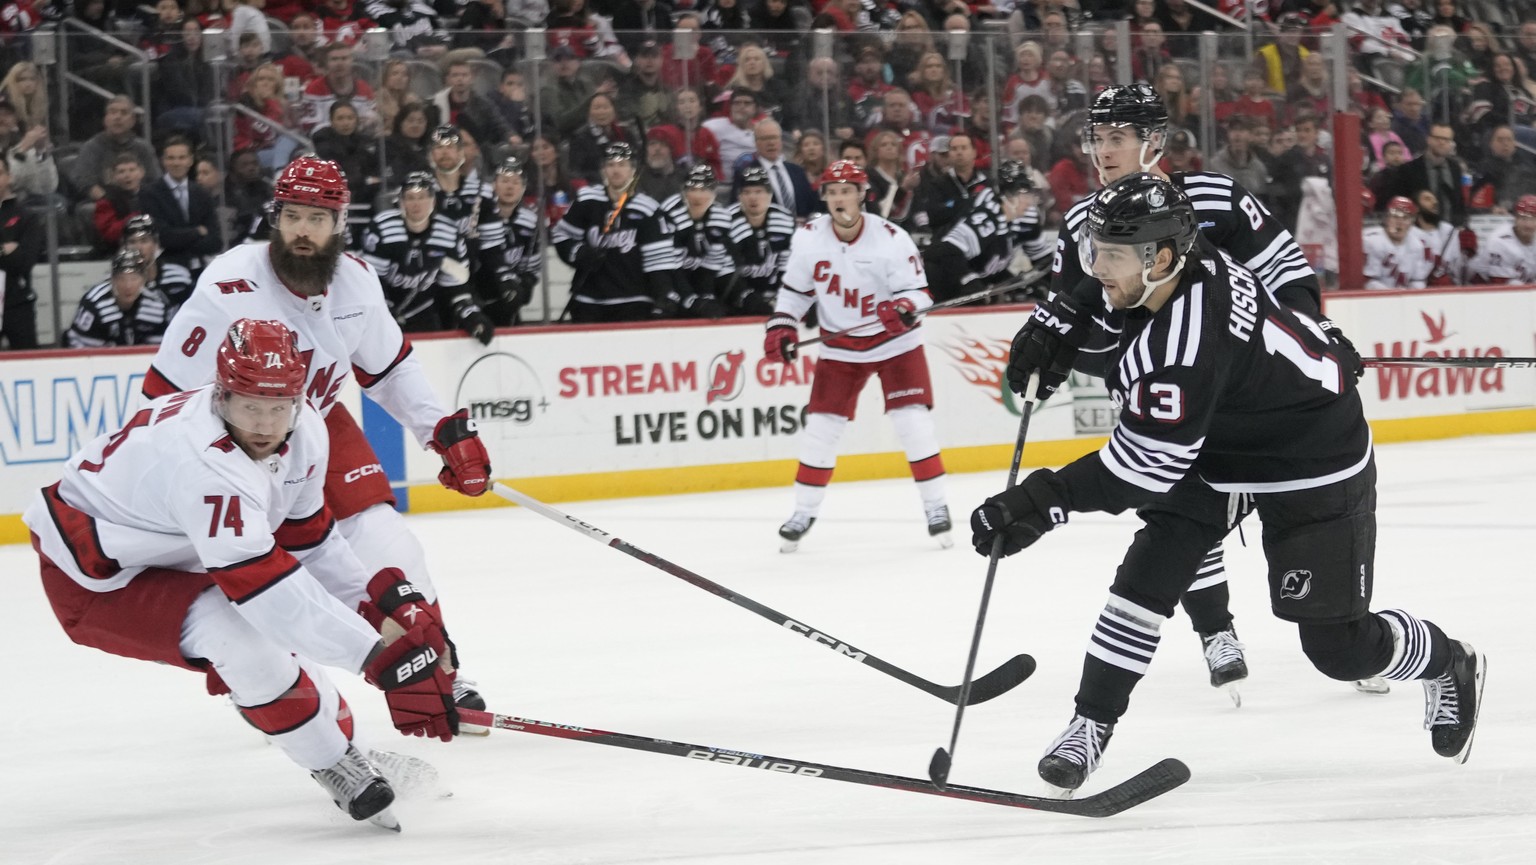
(1021, 207)
(172, 281)
(760, 235)
(1126, 131)
(510, 256)
(422, 264)
(700, 229)
(976, 249)
(620, 243)
(1222, 392)
(119, 311)
(459, 192)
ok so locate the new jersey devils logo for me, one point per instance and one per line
(1296, 585)
(725, 379)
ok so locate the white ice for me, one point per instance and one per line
(105, 760)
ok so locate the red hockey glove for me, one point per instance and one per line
(418, 692)
(779, 344)
(395, 606)
(466, 465)
(898, 316)
(1468, 239)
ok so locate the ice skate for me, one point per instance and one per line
(467, 696)
(1373, 685)
(1074, 756)
(1224, 657)
(793, 530)
(1451, 702)
(357, 787)
(939, 525)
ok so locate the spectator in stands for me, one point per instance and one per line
(1182, 153)
(1055, 34)
(341, 21)
(1279, 62)
(1183, 107)
(1097, 74)
(1447, 14)
(1476, 44)
(183, 85)
(247, 17)
(853, 150)
(1150, 54)
(1067, 92)
(164, 29)
(1253, 102)
(1071, 178)
(1181, 22)
(1439, 170)
(644, 99)
(686, 62)
(119, 311)
(589, 142)
(890, 183)
(100, 153)
(565, 96)
(781, 30)
(1509, 171)
(659, 176)
(755, 74)
(1505, 97)
(340, 81)
(405, 150)
(460, 105)
(691, 142)
(549, 182)
(263, 97)
(979, 127)
(811, 153)
(1378, 134)
(412, 25)
(791, 188)
(1306, 159)
(913, 40)
(186, 215)
(247, 192)
(896, 114)
(640, 21)
(119, 202)
(1410, 122)
(1140, 13)
(1237, 159)
(21, 246)
(1311, 93)
(301, 57)
(483, 26)
(1393, 156)
(1449, 73)
(358, 156)
(940, 106)
(394, 91)
(23, 89)
(734, 131)
(1033, 126)
(821, 103)
(868, 85)
(719, 18)
(247, 58)
(1363, 100)
(511, 102)
(1525, 46)
(1029, 78)
(1374, 32)
(28, 155)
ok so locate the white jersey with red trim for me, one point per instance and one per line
(347, 330)
(1405, 264)
(1447, 266)
(846, 281)
(173, 490)
(1504, 259)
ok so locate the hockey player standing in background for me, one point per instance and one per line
(422, 263)
(1223, 393)
(1510, 255)
(975, 250)
(119, 311)
(332, 300)
(198, 536)
(620, 244)
(459, 192)
(172, 281)
(859, 271)
(700, 230)
(1447, 248)
(509, 245)
(1395, 254)
(760, 237)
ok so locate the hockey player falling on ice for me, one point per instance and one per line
(333, 301)
(858, 269)
(1126, 131)
(198, 536)
(1221, 392)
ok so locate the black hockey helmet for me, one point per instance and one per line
(1145, 212)
(417, 180)
(510, 166)
(139, 224)
(447, 134)
(128, 260)
(1136, 105)
(1013, 176)
(619, 151)
(701, 176)
(755, 175)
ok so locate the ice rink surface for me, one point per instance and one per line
(105, 760)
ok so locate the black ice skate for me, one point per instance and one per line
(466, 696)
(793, 530)
(1451, 702)
(358, 788)
(1074, 756)
(1224, 657)
(939, 525)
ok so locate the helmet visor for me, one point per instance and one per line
(258, 415)
(1114, 261)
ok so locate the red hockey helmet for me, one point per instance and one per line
(843, 171)
(1402, 206)
(261, 358)
(1526, 206)
(313, 182)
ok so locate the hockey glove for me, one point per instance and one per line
(1047, 344)
(1019, 515)
(667, 305)
(473, 321)
(419, 694)
(466, 465)
(705, 306)
(395, 605)
(779, 344)
(587, 257)
(898, 316)
(1348, 356)
(515, 290)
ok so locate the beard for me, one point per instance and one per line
(308, 274)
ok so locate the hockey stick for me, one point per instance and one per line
(1490, 362)
(998, 682)
(1150, 783)
(613, 217)
(1024, 281)
(938, 767)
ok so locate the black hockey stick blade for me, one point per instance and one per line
(1150, 783)
(998, 682)
(938, 767)
(1487, 362)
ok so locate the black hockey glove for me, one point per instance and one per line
(705, 306)
(587, 257)
(668, 305)
(1346, 352)
(474, 322)
(1047, 344)
(515, 290)
(1019, 515)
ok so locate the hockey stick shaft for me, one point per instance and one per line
(995, 683)
(938, 767)
(1474, 362)
(1025, 281)
(1150, 783)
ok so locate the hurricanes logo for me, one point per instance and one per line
(725, 378)
(1296, 585)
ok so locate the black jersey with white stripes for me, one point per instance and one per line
(508, 245)
(101, 321)
(760, 252)
(1227, 384)
(635, 258)
(411, 264)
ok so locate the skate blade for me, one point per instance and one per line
(1477, 707)
(1054, 792)
(1373, 685)
(385, 820)
(945, 540)
(1236, 695)
(788, 546)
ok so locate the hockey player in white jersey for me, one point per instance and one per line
(333, 301)
(859, 271)
(1396, 255)
(198, 536)
(1447, 246)
(1510, 255)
